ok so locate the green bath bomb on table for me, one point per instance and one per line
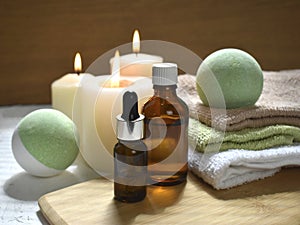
(44, 142)
(229, 78)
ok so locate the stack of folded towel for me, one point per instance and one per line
(236, 146)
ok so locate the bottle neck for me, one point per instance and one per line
(165, 91)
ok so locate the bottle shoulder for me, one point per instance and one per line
(124, 146)
(158, 106)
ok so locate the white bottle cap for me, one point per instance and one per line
(164, 74)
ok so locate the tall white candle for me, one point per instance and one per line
(137, 64)
(63, 90)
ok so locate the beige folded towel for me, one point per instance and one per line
(278, 104)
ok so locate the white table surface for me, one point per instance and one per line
(20, 191)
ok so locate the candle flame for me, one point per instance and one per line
(77, 63)
(115, 80)
(136, 42)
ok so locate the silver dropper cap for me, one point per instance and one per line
(130, 130)
(130, 124)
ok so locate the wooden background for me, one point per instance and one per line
(38, 39)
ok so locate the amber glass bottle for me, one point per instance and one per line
(130, 171)
(130, 153)
(166, 124)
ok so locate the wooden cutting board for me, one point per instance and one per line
(275, 200)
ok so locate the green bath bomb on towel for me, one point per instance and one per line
(236, 75)
(45, 142)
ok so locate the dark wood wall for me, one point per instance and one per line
(38, 39)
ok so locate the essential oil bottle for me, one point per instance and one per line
(166, 124)
(130, 153)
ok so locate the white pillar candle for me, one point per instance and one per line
(63, 90)
(95, 110)
(97, 103)
(137, 64)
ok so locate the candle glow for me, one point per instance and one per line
(77, 63)
(136, 63)
(136, 42)
(115, 80)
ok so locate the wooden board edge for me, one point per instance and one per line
(49, 213)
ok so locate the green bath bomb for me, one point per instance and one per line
(44, 142)
(229, 78)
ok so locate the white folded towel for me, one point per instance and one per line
(235, 167)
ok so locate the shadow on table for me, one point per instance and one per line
(24, 186)
(42, 218)
(287, 180)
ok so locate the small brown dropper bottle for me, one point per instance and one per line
(130, 153)
(166, 126)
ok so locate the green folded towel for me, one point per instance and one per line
(208, 139)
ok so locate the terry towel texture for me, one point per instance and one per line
(278, 104)
(226, 159)
(207, 139)
(235, 167)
